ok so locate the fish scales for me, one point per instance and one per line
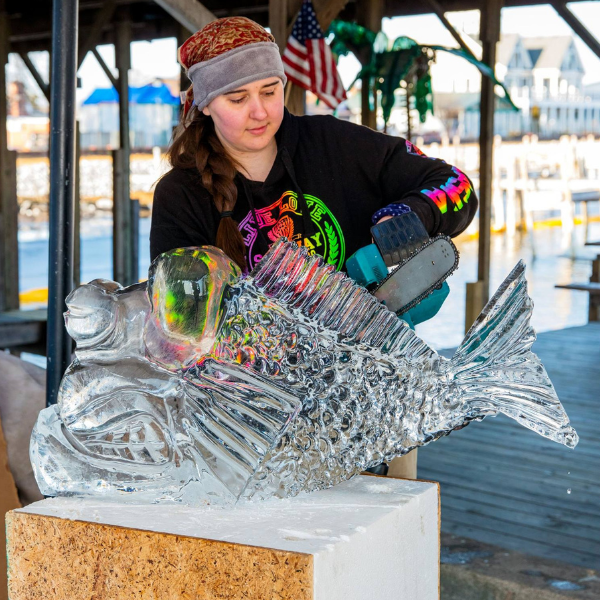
(390, 371)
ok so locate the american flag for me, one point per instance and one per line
(308, 61)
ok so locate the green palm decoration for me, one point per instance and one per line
(407, 61)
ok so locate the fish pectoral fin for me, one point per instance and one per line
(238, 416)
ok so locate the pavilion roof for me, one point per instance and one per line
(30, 21)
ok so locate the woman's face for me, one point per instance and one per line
(247, 119)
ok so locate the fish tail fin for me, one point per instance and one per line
(497, 372)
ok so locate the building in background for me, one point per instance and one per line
(153, 112)
(544, 76)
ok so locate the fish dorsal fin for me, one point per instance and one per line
(299, 281)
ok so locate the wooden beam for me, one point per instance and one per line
(490, 35)
(77, 210)
(9, 208)
(105, 68)
(439, 11)
(3, 148)
(9, 218)
(190, 13)
(577, 26)
(328, 10)
(278, 22)
(44, 87)
(369, 15)
(184, 82)
(91, 37)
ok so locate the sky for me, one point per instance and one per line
(529, 21)
(157, 59)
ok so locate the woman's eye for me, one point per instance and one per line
(238, 101)
(269, 93)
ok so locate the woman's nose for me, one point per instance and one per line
(257, 110)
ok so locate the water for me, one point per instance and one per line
(554, 308)
(96, 253)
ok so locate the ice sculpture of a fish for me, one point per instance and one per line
(203, 386)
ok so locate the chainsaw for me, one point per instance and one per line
(404, 268)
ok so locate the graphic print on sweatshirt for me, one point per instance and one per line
(283, 218)
(455, 192)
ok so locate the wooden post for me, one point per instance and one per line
(567, 209)
(184, 82)
(119, 240)
(295, 99)
(278, 22)
(9, 208)
(124, 271)
(594, 308)
(9, 219)
(408, 122)
(511, 195)
(77, 207)
(369, 15)
(65, 23)
(490, 35)
(497, 192)
(135, 234)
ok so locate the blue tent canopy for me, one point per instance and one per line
(147, 94)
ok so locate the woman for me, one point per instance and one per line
(246, 172)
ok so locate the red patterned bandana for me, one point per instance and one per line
(215, 39)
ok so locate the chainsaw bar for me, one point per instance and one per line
(419, 275)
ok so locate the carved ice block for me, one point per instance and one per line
(369, 538)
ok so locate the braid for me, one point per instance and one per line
(196, 145)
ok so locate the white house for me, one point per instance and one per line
(544, 77)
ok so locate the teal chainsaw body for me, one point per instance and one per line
(405, 268)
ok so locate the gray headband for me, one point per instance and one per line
(235, 68)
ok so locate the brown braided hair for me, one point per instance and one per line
(196, 145)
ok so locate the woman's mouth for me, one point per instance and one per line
(258, 130)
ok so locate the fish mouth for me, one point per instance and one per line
(89, 327)
(79, 312)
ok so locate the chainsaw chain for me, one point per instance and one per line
(441, 280)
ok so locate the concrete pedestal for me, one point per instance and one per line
(370, 538)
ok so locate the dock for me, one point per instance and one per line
(503, 484)
(23, 330)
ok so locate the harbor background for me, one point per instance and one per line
(554, 308)
(534, 219)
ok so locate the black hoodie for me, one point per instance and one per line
(328, 179)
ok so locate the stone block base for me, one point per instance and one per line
(370, 538)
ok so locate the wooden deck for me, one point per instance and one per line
(505, 485)
(23, 329)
